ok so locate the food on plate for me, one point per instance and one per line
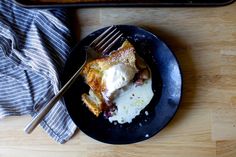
(120, 84)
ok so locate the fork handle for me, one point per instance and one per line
(39, 117)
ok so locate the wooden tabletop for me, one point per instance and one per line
(204, 40)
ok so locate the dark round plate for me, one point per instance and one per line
(167, 87)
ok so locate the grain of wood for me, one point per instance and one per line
(204, 41)
(226, 148)
(224, 124)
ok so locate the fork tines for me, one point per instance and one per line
(106, 40)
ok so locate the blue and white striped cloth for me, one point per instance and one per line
(34, 45)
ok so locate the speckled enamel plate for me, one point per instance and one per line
(167, 87)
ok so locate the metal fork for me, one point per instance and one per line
(101, 45)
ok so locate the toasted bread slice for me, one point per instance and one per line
(93, 73)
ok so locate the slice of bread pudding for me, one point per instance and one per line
(108, 74)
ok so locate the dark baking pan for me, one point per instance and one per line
(120, 3)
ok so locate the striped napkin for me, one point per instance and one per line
(34, 45)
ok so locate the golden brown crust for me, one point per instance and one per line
(94, 69)
(92, 106)
(93, 72)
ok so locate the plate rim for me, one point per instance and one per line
(181, 85)
(26, 4)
